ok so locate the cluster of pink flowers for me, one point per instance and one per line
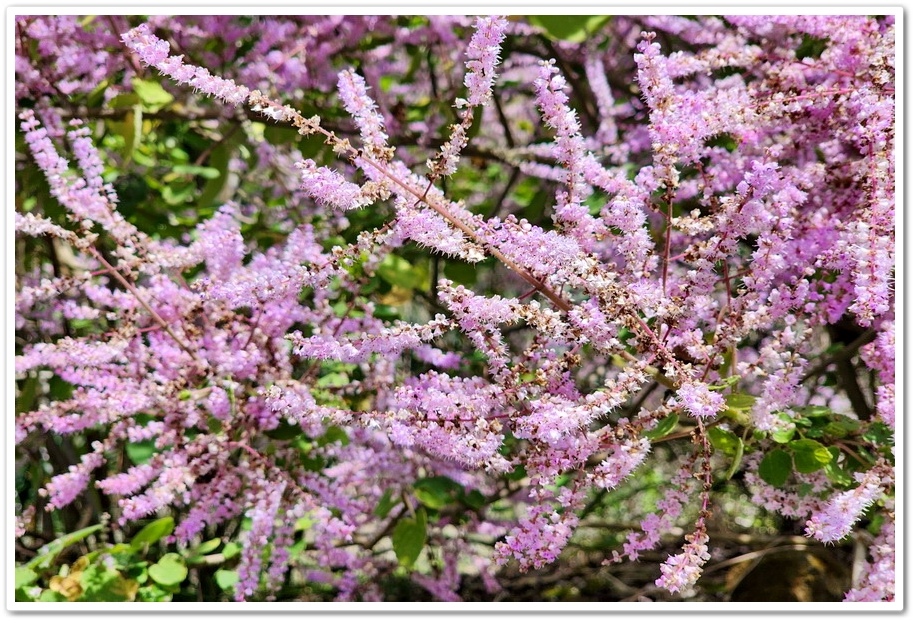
(660, 244)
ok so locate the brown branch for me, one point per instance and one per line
(114, 272)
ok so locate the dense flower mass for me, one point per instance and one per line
(341, 302)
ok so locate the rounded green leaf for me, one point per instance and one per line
(775, 467)
(169, 571)
(784, 435)
(231, 550)
(226, 578)
(810, 455)
(475, 499)
(736, 460)
(459, 272)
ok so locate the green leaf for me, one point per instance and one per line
(24, 577)
(724, 440)
(848, 424)
(304, 523)
(474, 499)
(59, 388)
(20, 594)
(436, 492)
(664, 426)
(284, 431)
(209, 173)
(333, 379)
(842, 426)
(130, 129)
(574, 28)
(810, 455)
(27, 394)
(399, 272)
(817, 412)
(219, 160)
(152, 532)
(461, 272)
(169, 571)
(811, 47)
(208, 546)
(385, 504)
(96, 97)
(50, 551)
(736, 461)
(123, 101)
(178, 192)
(281, 135)
(775, 467)
(226, 579)
(741, 402)
(837, 473)
(409, 538)
(140, 452)
(154, 593)
(51, 596)
(103, 583)
(151, 94)
(783, 435)
(231, 550)
(879, 434)
(332, 435)
(518, 473)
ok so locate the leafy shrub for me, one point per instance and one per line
(338, 298)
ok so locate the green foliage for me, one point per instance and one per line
(48, 553)
(574, 28)
(437, 492)
(409, 538)
(120, 572)
(385, 504)
(151, 94)
(811, 47)
(775, 467)
(665, 426)
(170, 571)
(152, 532)
(724, 440)
(809, 455)
(397, 271)
(226, 579)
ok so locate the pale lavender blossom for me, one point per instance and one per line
(355, 97)
(66, 487)
(330, 188)
(154, 52)
(700, 401)
(483, 54)
(835, 521)
(681, 571)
